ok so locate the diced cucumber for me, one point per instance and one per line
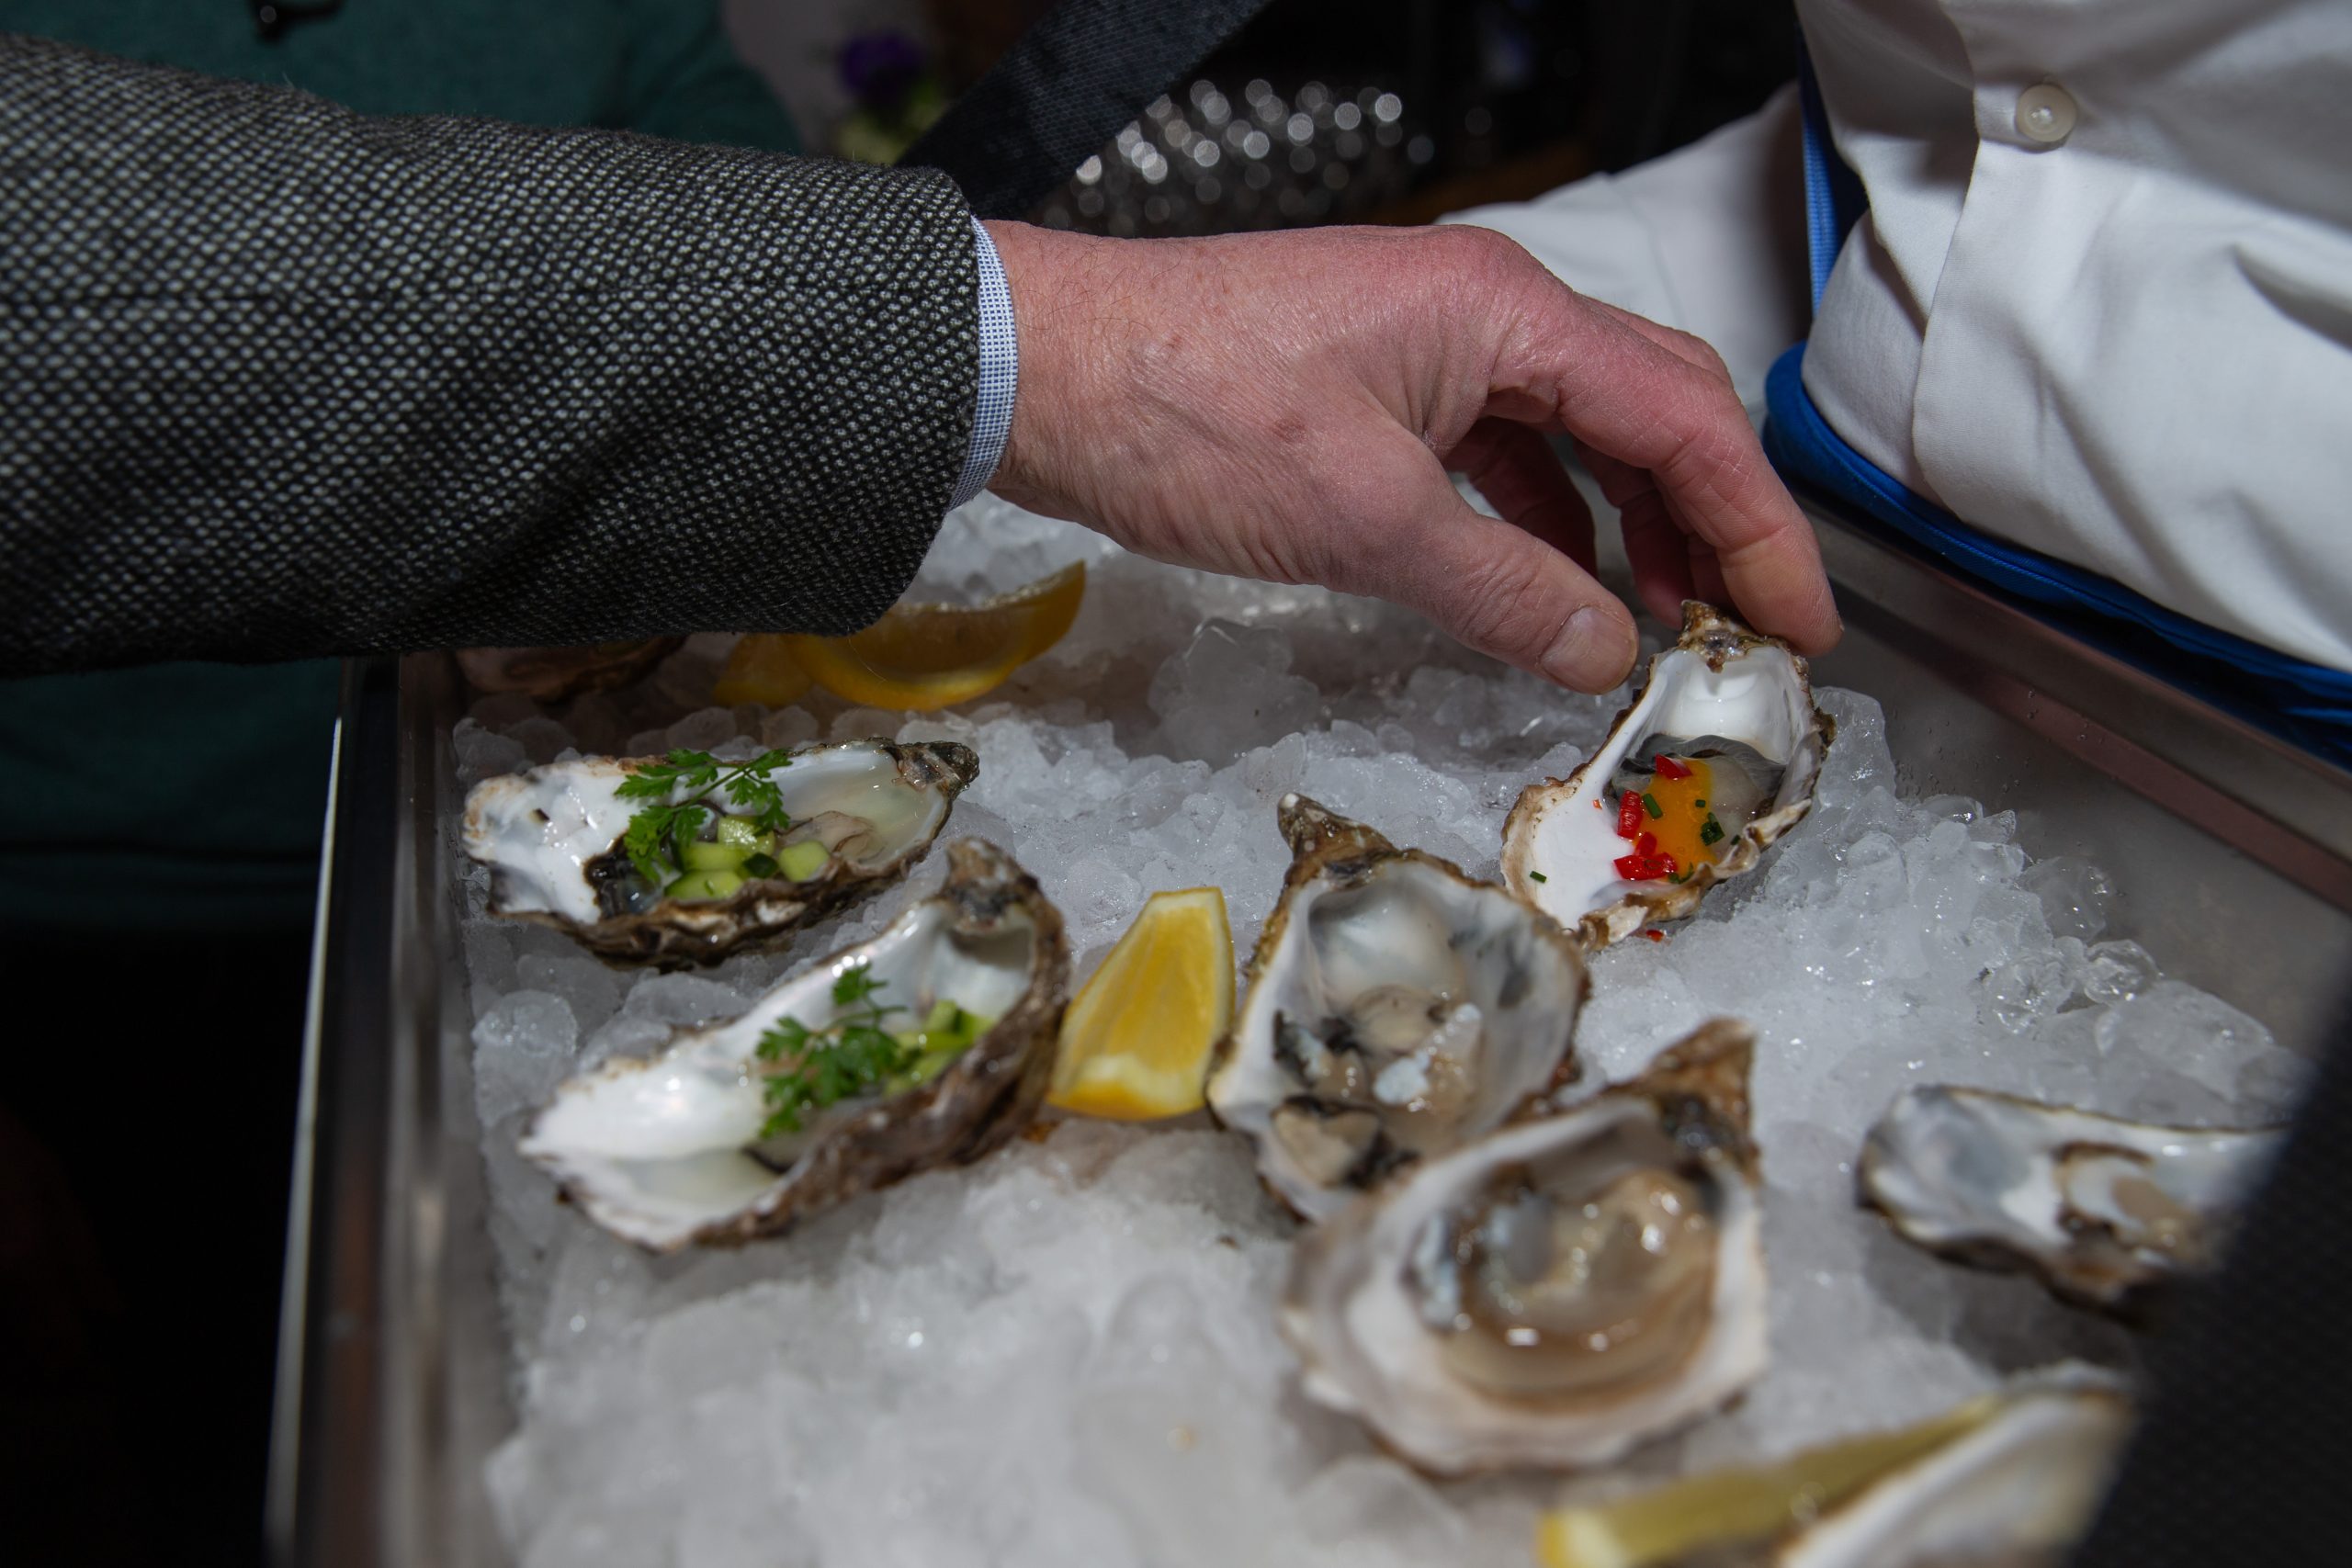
(759, 865)
(701, 855)
(942, 1018)
(704, 884)
(931, 1063)
(741, 832)
(802, 861)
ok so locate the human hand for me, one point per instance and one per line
(1287, 406)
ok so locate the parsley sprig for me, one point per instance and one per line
(840, 1060)
(666, 824)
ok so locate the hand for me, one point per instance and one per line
(1287, 406)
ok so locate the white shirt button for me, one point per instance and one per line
(2045, 114)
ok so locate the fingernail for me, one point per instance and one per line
(1590, 654)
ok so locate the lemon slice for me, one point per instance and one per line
(1737, 1506)
(1136, 1043)
(933, 655)
(761, 669)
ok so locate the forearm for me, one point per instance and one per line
(282, 380)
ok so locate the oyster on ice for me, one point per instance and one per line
(861, 812)
(550, 674)
(1557, 1291)
(683, 1146)
(2012, 1478)
(2105, 1210)
(1395, 1009)
(1715, 760)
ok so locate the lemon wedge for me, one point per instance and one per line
(1135, 1042)
(761, 669)
(933, 656)
(1739, 1506)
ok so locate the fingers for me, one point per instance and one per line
(1515, 469)
(1629, 397)
(1494, 585)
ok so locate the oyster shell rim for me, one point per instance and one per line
(754, 914)
(2132, 1292)
(1005, 1072)
(1717, 638)
(1323, 841)
(1699, 1088)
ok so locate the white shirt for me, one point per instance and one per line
(2117, 328)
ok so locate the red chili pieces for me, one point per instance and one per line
(1668, 768)
(1654, 935)
(1641, 867)
(1629, 815)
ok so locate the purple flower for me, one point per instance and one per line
(878, 67)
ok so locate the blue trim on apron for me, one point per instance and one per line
(2308, 704)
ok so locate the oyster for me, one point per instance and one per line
(2105, 1210)
(1557, 1291)
(683, 1146)
(1395, 1009)
(548, 675)
(2011, 1478)
(1715, 760)
(552, 839)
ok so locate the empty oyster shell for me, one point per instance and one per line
(2012, 1478)
(1557, 1291)
(673, 1147)
(552, 836)
(1733, 714)
(2103, 1209)
(1395, 1009)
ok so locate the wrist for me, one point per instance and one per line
(1053, 295)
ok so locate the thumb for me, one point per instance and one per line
(1501, 590)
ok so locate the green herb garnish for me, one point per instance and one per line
(1649, 803)
(1537, 876)
(841, 1061)
(666, 826)
(1711, 831)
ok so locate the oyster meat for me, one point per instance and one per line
(2105, 1210)
(683, 1146)
(861, 813)
(1715, 760)
(1395, 1009)
(2011, 1479)
(1557, 1291)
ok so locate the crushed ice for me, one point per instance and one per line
(1066, 1354)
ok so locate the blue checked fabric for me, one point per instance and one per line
(999, 372)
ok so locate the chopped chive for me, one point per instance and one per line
(1697, 803)
(1711, 831)
(1649, 803)
(1537, 876)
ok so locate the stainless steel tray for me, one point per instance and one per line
(2232, 855)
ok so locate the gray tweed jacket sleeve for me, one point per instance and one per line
(277, 379)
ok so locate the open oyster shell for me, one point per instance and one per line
(2012, 1478)
(1395, 1009)
(2105, 1210)
(551, 837)
(1741, 703)
(1557, 1291)
(670, 1149)
(549, 674)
